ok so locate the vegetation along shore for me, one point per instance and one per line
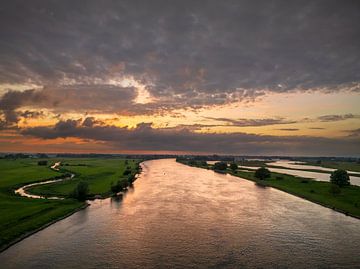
(22, 216)
(345, 199)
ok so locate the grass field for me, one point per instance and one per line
(348, 201)
(351, 166)
(21, 215)
(98, 173)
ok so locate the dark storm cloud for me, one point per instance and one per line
(95, 98)
(144, 137)
(12, 100)
(189, 53)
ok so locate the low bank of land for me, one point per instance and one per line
(347, 201)
(20, 215)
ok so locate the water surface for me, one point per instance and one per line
(183, 217)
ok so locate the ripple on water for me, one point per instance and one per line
(194, 218)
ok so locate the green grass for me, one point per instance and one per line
(98, 173)
(20, 215)
(351, 166)
(348, 201)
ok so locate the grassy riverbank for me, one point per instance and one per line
(351, 166)
(348, 201)
(20, 216)
(98, 173)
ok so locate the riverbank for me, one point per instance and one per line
(21, 216)
(27, 234)
(346, 202)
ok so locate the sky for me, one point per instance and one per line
(184, 77)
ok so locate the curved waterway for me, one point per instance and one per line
(178, 216)
(23, 190)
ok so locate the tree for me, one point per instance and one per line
(220, 166)
(262, 173)
(340, 177)
(81, 191)
(131, 179)
(42, 162)
(233, 166)
(118, 186)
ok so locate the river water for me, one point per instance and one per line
(184, 217)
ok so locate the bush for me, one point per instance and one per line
(340, 178)
(131, 179)
(262, 173)
(42, 162)
(117, 187)
(220, 166)
(279, 177)
(127, 172)
(81, 191)
(233, 166)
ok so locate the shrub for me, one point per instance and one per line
(118, 186)
(233, 166)
(131, 179)
(220, 166)
(340, 177)
(42, 162)
(127, 172)
(81, 191)
(262, 173)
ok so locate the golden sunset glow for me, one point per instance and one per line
(214, 86)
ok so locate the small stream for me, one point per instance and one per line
(23, 190)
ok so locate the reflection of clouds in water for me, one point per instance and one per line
(195, 217)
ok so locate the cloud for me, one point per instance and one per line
(186, 54)
(288, 129)
(354, 132)
(84, 98)
(146, 138)
(329, 118)
(252, 122)
(316, 128)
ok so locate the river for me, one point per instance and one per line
(178, 216)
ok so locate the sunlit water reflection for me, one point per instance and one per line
(183, 217)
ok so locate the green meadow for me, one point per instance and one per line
(20, 215)
(351, 166)
(98, 173)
